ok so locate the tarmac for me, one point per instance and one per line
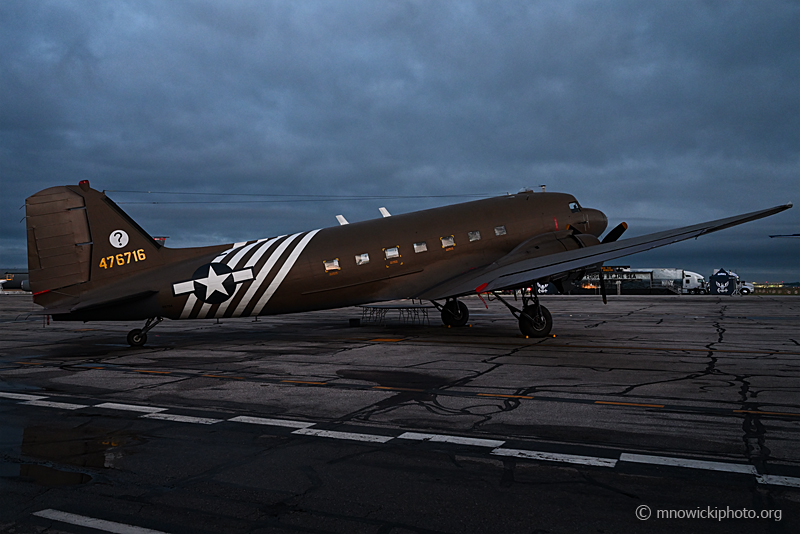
(649, 414)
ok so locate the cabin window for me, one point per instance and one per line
(392, 253)
(362, 259)
(331, 265)
(420, 247)
(448, 241)
(499, 230)
(474, 236)
(574, 207)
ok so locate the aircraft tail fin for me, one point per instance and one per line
(76, 234)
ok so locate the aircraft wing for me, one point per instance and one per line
(494, 277)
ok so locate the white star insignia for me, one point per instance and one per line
(213, 282)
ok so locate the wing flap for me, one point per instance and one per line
(495, 277)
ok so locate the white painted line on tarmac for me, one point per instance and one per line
(776, 480)
(53, 404)
(374, 438)
(458, 440)
(91, 522)
(182, 418)
(20, 396)
(271, 422)
(557, 457)
(684, 462)
(129, 407)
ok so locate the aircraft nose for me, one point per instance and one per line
(598, 222)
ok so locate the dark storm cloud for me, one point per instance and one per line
(659, 113)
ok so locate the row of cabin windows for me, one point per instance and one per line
(394, 252)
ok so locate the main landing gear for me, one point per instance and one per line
(454, 312)
(138, 336)
(534, 319)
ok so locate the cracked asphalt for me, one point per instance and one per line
(705, 378)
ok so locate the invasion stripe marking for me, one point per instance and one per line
(556, 457)
(630, 404)
(182, 418)
(260, 252)
(287, 266)
(457, 440)
(91, 522)
(692, 464)
(53, 404)
(256, 284)
(271, 422)
(20, 396)
(244, 250)
(776, 480)
(225, 253)
(373, 438)
(204, 309)
(187, 309)
(264, 246)
(129, 407)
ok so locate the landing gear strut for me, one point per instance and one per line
(454, 312)
(534, 319)
(138, 336)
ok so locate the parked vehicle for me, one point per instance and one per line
(728, 283)
(694, 284)
(622, 280)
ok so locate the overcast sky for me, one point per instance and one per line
(659, 113)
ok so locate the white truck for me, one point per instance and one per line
(693, 284)
(646, 281)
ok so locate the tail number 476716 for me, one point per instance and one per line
(122, 258)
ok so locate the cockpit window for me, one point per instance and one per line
(574, 207)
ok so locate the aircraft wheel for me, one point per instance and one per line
(745, 291)
(536, 326)
(136, 338)
(455, 313)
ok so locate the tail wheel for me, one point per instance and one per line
(533, 325)
(455, 313)
(136, 338)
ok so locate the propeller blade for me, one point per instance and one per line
(614, 234)
(602, 286)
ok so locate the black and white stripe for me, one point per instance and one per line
(265, 254)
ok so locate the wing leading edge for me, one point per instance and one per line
(514, 275)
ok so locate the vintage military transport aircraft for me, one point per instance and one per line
(89, 261)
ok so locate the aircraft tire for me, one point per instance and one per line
(136, 338)
(455, 314)
(539, 326)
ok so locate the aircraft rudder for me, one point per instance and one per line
(76, 234)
